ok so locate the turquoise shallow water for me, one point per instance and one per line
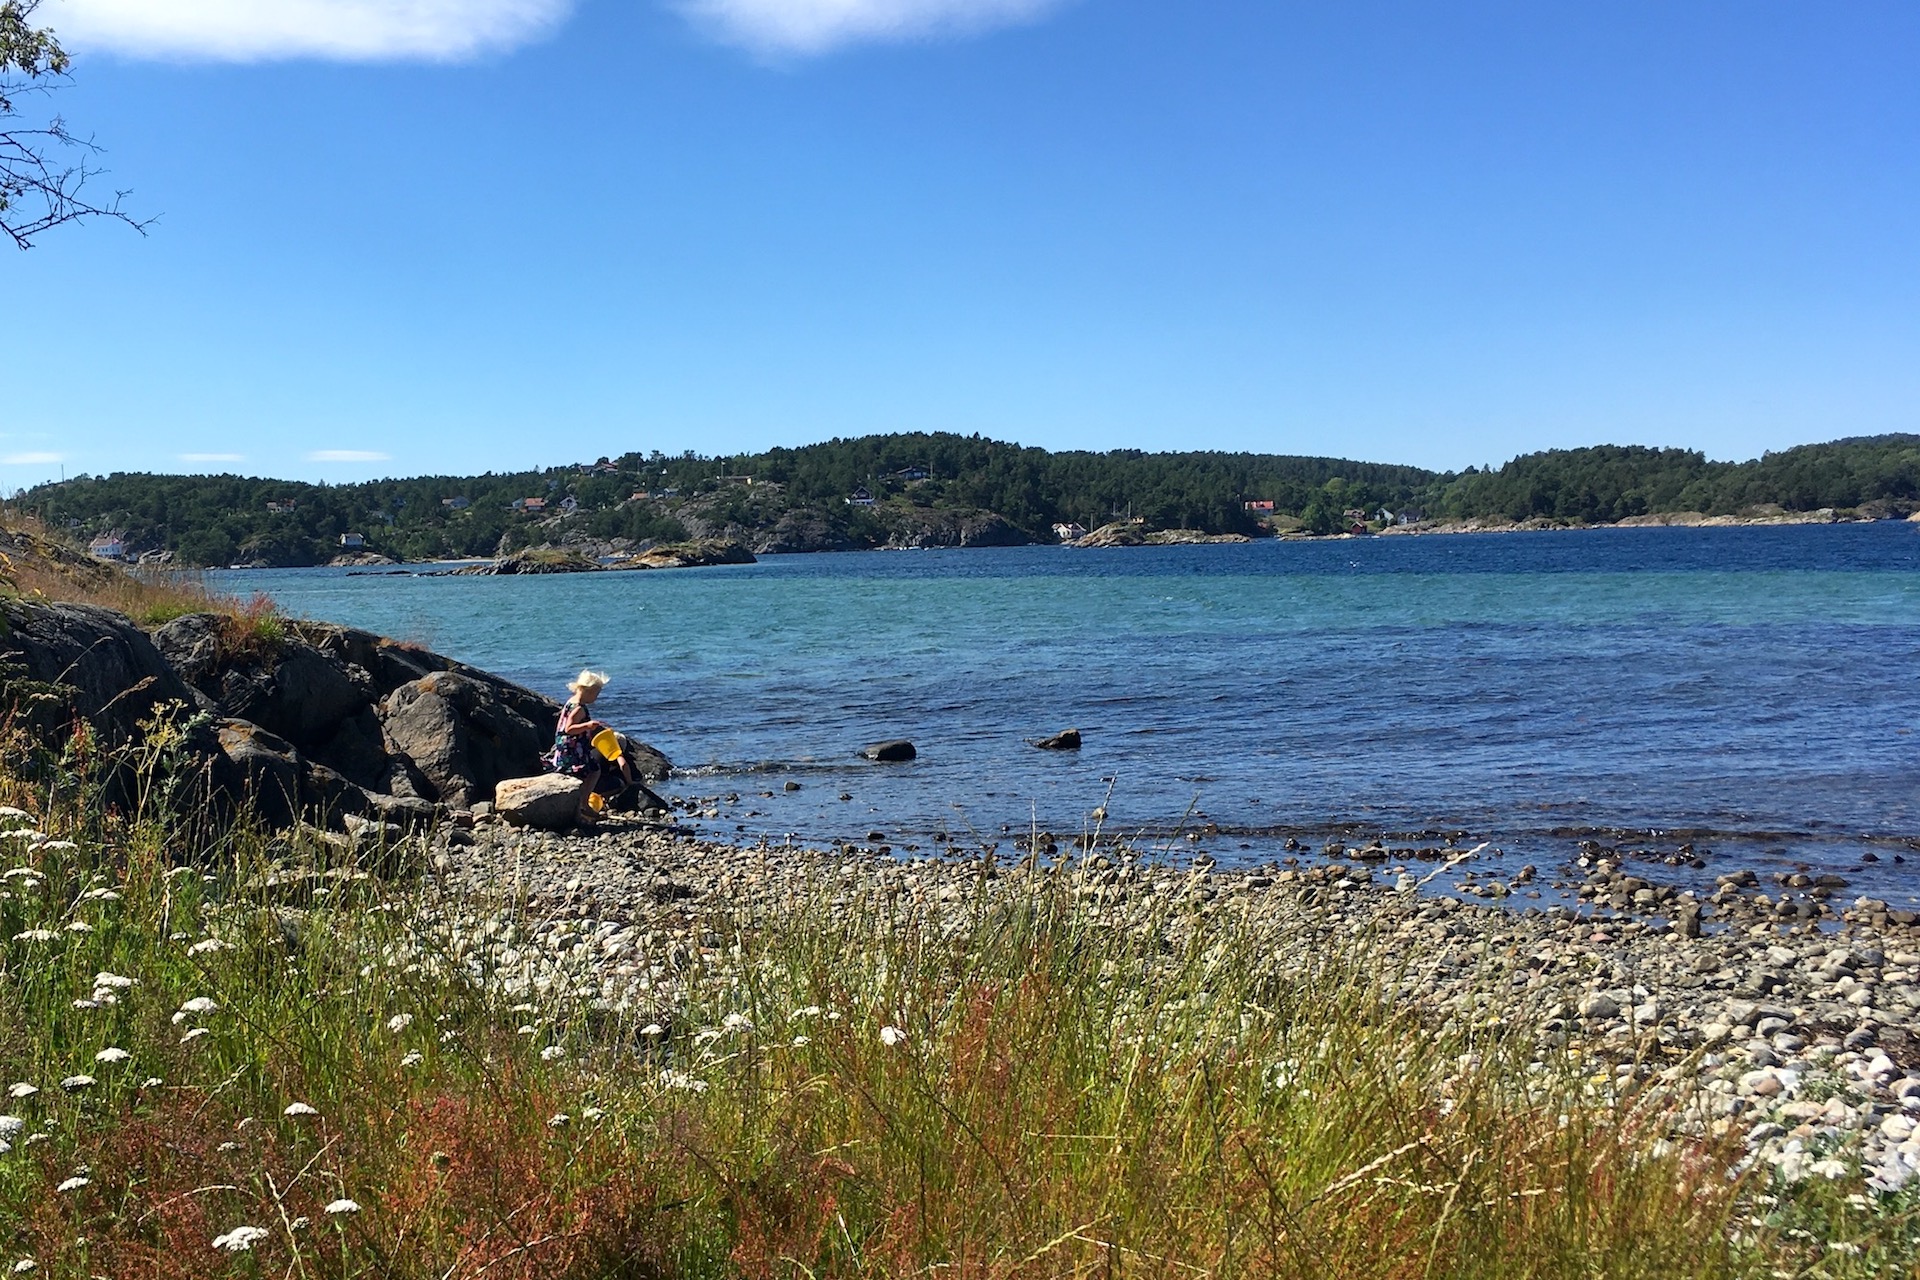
(1761, 686)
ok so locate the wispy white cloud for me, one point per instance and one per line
(346, 30)
(213, 457)
(348, 455)
(816, 26)
(31, 459)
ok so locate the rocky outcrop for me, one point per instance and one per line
(1065, 740)
(104, 667)
(892, 752)
(308, 720)
(542, 560)
(1121, 534)
(687, 555)
(926, 529)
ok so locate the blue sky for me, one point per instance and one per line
(413, 236)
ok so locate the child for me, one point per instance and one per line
(573, 750)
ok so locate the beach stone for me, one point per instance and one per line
(1599, 1006)
(893, 751)
(1065, 740)
(548, 801)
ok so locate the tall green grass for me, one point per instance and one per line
(859, 1085)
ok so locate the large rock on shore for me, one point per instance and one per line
(462, 736)
(550, 801)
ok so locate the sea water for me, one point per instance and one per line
(1754, 692)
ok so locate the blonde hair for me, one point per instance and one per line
(587, 680)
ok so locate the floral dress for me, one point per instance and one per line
(571, 753)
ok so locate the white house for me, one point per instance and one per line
(108, 546)
(860, 498)
(352, 541)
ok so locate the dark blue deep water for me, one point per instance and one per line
(1756, 690)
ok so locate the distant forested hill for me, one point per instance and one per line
(936, 489)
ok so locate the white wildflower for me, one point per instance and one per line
(891, 1036)
(35, 935)
(526, 1029)
(807, 1011)
(111, 1055)
(11, 1127)
(592, 1113)
(560, 1121)
(206, 946)
(25, 1265)
(193, 1034)
(229, 1146)
(301, 1223)
(21, 1089)
(295, 1110)
(179, 871)
(79, 926)
(8, 811)
(681, 1080)
(193, 1007)
(72, 1184)
(552, 1053)
(412, 1060)
(86, 1004)
(801, 1042)
(736, 1022)
(74, 1084)
(152, 1082)
(114, 982)
(653, 1029)
(399, 1022)
(102, 998)
(342, 1205)
(240, 1239)
(100, 895)
(55, 844)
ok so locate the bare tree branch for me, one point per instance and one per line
(43, 172)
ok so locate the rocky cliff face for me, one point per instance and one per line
(320, 722)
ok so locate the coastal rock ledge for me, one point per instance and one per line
(303, 721)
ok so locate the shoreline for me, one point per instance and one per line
(1798, 1037)
(1190, 538)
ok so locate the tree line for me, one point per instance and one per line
(225, 519)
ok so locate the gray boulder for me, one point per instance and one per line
(890, 752)
(462, 736)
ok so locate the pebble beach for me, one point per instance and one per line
(1792, 1037)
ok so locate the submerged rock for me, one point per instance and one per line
(893, 751)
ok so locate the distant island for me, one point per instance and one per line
(945, 490)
